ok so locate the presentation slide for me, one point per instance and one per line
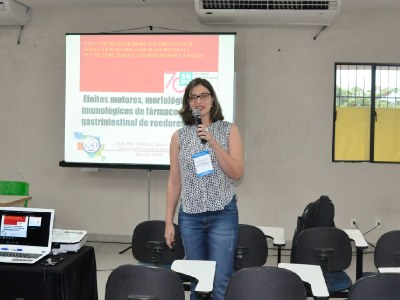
(14, 226)
(124, 91)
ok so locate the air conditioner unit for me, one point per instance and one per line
(13, 13)
(258, 12)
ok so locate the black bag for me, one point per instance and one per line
(319, 213)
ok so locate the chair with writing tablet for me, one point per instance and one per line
(385, 286)
(387, 250)
(142, 282)
(149, 246)
(15, 188)
(265, 283)
(252, 247)
(330, 248)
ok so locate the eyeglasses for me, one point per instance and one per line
(203, 97)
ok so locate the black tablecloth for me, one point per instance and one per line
(74, 278)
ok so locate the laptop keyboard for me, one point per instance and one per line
(19, 254)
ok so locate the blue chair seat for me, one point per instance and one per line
(338, 281)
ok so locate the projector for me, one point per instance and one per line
(65, 240)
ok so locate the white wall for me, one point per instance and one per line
(285, 84)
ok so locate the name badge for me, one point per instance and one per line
(202, 162)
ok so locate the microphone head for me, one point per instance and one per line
(197, 117)
(196, 113)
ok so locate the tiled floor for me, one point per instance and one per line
(108, 258)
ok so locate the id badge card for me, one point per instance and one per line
(202, 163)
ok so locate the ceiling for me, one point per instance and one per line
(57, 4)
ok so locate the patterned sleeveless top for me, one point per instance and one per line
(211, 192)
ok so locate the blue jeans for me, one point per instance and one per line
(212, 235)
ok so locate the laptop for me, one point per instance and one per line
(25, 234)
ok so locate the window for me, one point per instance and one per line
(366, 113)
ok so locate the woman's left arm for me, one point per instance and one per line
(231, 161)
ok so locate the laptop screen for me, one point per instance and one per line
(25, 227)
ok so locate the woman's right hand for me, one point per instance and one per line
(169, 234)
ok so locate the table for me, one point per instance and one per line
(278, 236)
(74, 278)
(361, 244)
(202, 270)
(311, 274)
(9, 200)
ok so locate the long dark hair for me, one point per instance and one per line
(186, 113)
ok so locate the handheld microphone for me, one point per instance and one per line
(197, 119)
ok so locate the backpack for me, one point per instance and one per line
(319, 213)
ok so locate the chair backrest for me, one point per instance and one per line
(148, 244)
(17, 188)
(252, 247)
(384, 286)
(142, 282)
(387, 250)
(265, 283)
(314, 244)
